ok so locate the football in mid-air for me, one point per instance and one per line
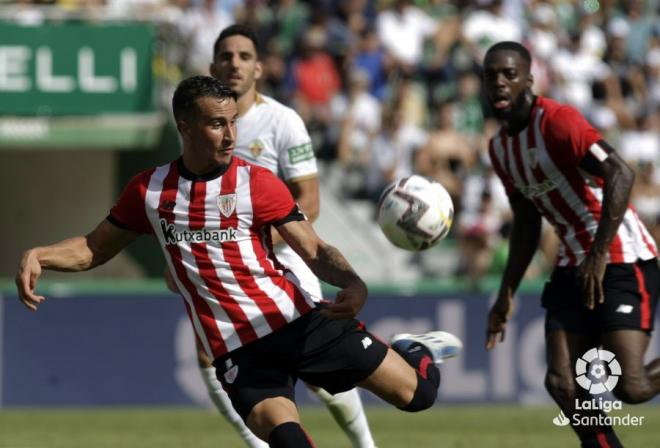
(415, 212)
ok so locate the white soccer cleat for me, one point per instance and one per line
(441, 344)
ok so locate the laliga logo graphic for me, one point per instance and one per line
(592, 373)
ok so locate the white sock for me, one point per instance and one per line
(223, 403)
(346, 408)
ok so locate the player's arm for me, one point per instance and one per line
(329, 265)
(305, 192)
(603, 162)
(75, 254)
(523, 242)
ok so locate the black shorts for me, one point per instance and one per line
(631, 294)
(332, 354)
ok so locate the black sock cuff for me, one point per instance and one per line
(289, 435)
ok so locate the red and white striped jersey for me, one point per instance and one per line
(215, 233)
(542, 163)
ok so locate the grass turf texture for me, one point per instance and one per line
(449, 426)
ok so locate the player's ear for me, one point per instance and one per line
(258, 70)
(212, 70)
(530, 80)
(183, 128)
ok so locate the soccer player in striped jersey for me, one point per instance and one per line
(212, 215)
(274, 136)
(604, 289)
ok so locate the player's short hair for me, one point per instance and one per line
(184, 101)
(511, 46)
(237, 30)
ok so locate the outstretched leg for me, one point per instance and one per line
(408, 377)
(637, 383)
(562, 350)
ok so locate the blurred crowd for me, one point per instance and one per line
(390, 88)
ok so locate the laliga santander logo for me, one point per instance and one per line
(592, 371)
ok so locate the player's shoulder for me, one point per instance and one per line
(277, 110)
(554, 109)
(560, 119)
(143, 178)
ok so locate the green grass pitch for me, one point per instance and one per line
(443, 426)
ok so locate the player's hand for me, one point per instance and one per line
(589, 276)
(497, 319)
(29, 271)
(348, 302)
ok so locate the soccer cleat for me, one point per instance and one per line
(441, 344)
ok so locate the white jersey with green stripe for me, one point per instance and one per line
(274, 136)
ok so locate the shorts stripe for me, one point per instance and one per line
(602, 440)
(645, 306)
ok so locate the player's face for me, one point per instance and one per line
(506, 80)
(236, 65)
(211, 134)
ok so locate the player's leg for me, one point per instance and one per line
(633, 288)
(637, 383)
(409, 377)
(276, 419)
(563, 349)
(348, 412)
(222, 402)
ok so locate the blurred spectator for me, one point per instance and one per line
(372, 58)
(402, 29)
(291, 17)
(201, 25)
(358, 115)
(574, 69)
(313, 81)
(393, 151)
(480, 224)
(486, 25)
(446, 156)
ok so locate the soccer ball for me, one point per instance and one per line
(415, 213)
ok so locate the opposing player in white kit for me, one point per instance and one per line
(274, 136)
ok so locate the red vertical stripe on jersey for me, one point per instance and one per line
(645, 305)
(241, 271)
(589, 201)
(203, 311)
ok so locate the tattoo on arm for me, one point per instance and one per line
(331, 267)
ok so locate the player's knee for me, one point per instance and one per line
(633, 391)
(289, 435)
(561, 387)
(424, 396)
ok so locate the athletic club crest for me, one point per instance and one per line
(227, 204)
(256, 147)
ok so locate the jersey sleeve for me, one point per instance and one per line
(294, 147)
(570, 133)
(271, 198)
(129, 212)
